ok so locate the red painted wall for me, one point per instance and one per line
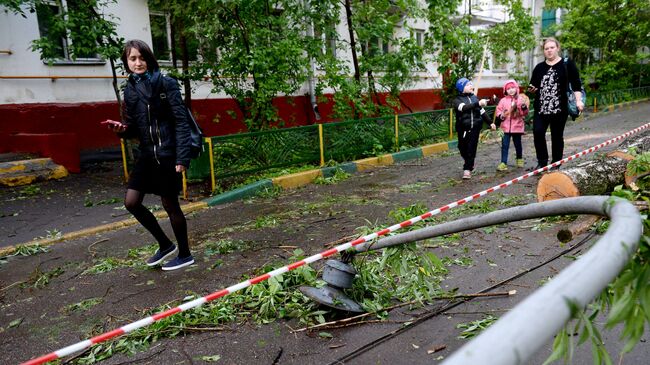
(216, 116)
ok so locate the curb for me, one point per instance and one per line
(23, 172)
(285, 182)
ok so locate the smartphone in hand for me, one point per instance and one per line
(111, 122)
(114, 125)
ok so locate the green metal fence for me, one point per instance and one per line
(246, 153)
(602, 100)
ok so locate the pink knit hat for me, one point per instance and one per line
(510, 83)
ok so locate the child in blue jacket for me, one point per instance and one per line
(470, 117)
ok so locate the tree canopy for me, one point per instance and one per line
(608, 39)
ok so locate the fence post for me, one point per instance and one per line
(595, 104)
(126, 170)
(185, 195)
(320, 142)
(451, 120)
(397, 132)
(213, 177)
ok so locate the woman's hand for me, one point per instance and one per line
(579, 103)
(114, 125)
(180, 168)
(493, 127)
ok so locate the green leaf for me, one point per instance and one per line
(560, 347)
(212, 358)
(620, 310)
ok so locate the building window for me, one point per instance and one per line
(548, 22)
(375, 46)
(498, 66)
(63, 46)
(163, 37)
(419, 37)
(328, 41)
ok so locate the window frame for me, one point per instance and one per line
(67, 42)
(169, 61)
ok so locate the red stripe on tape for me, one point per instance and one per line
(358, 241)
(166, 313)
(296, 265)
(42, 360)
(217, 295)
(426, 215)
(383, 232)
(107, 335)
(446, 207)
(405, 224)
(476, 196)
(462, 201)
(258, 279)
(329, 252)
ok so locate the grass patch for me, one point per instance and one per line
(414, 188)
(339, 175)
(224, 246)
(83, 305)
(474, 328)
(89, 203)
(39, 279)
(136, 258)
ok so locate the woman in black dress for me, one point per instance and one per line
(156, 116)
(549, 83)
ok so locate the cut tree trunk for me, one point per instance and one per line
(576, 228)
(593, 177)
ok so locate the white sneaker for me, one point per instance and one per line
(467, 175)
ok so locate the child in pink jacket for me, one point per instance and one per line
(511, 111)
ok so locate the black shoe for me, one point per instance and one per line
(536, 167)
(159, 257)
(178, 263)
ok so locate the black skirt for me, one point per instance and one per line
(150, 177)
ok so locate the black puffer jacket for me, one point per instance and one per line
(469, 114)
(160, 125)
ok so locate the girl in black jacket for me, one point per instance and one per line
(470, 116)
(156, 116)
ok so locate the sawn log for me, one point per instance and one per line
(593, 177)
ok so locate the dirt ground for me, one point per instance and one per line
(36, 317)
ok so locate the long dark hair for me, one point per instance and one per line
(145, 51)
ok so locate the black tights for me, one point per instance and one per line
(133, 203)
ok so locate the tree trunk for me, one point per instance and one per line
(593, 177)
(353, 44)
(186, 67)
(576, 228)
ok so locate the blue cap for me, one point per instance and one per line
(461, 83)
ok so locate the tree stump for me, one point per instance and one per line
(593, 177)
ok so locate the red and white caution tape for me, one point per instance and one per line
(244, 284)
